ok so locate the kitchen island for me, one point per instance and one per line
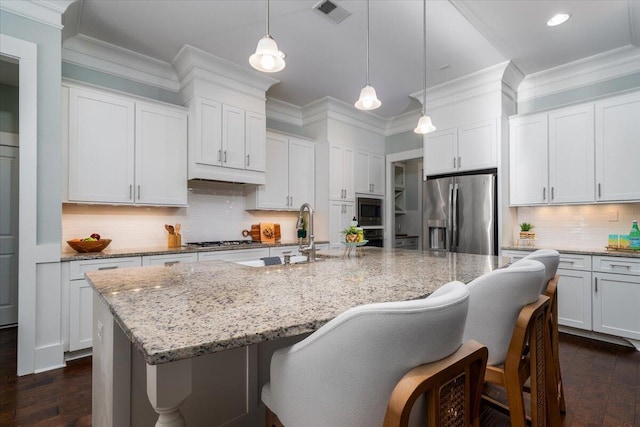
(181, 324)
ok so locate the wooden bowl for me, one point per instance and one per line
(91, 246)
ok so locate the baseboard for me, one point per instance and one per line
(48, 358)
(595, 335)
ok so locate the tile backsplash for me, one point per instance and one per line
(216, 212)
(582, 226)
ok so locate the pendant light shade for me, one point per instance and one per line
(267, 57)
(368, 99)
(425, 125)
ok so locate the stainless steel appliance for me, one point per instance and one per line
(369, 211)
(375, 237)
(460, 213)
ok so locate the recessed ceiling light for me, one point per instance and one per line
(557, 19)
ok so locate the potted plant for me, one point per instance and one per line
(353, 234)
(525, 231)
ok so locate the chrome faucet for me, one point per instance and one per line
(310, 249)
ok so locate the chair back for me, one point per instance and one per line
(550, 258)
(495, 300)
(343, 374)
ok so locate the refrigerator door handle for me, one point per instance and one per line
(449, 232)
(454, 245)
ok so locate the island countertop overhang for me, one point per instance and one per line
(188, 310)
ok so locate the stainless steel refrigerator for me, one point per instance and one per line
(460, 213)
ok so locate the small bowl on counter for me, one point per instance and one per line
(89, 246)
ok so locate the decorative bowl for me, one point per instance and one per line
(90, 246)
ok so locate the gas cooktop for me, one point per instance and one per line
(219, 243)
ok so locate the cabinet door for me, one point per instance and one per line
(440, 155)
(362, 173)
(574, 298)
(208, 147)
(615, 304)
(340, 215)
(101, 147)
(477, 146)
(376, 174)
(233, 137)
(161, 156)
(255, 146)
(336, 166)
(528, 162)
(80, 315)
(348, 172)
(571, 155)
(301, 173)
(617, 159)
(275, 193)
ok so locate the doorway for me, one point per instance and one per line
(9, 190)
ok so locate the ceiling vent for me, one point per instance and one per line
(331, 10)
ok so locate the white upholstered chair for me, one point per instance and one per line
(344, 373)
(505, 308)
(551, 259)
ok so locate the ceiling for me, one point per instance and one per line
(329, 59)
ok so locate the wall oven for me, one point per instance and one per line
(369, 212)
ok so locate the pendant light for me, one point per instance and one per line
(368, 99)
(425, 125)
(267, 57)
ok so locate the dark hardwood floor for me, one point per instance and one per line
(602, 383)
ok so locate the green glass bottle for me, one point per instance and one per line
(634, 237)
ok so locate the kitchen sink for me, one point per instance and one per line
(295, 259)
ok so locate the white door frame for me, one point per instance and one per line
(390, 203)
(26, 54)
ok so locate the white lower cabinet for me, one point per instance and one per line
(81, 297)
(616, 293)
(599, 293)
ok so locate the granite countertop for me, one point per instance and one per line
(188, 310)
(582, 251)
(69, 254)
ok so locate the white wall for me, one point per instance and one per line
(578, 227)
(216, 212)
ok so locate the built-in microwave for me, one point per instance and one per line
(369, 211)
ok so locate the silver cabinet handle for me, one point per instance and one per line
(248, 160)
(454, 162)
(220, 155)
(596, 279)
(626, 267)
(287, 200)
(138, 191)
(225, 156)
(113, 267)
(544, 193)
(552, 194)
(291, 198)
(599, 191)
(130, 191)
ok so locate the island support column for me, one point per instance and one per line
(168, 385)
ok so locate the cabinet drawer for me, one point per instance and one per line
(514, 255)
(236, 255)
(78, 268)
(400, 243)
(169, 259)
(280, 250)
(575, 262)
(616, 265)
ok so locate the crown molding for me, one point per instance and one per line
(500, 78)
(190, 58)
(284, 112)
(634, 22)
(108, 58)
(331, 108)
(402, 123)
(584, 72)
(48, 12)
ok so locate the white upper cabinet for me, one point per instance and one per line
(618, 148)
(290, 174)
(464, 148)
(341, 176)
(228, 143)
(369, 173)
(528, 162)
(122, 150)
(161, 156)
(571, 155)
